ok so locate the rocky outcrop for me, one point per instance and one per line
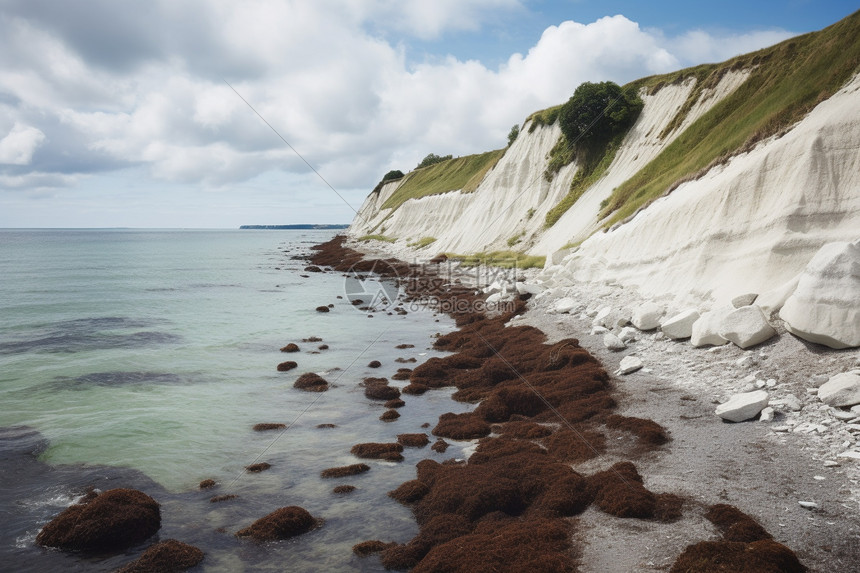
(825, 307)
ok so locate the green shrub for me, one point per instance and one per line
(596, 113)
(392, 175)
(513, 134)
(433, 159)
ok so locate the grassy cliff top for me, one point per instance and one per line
(786, 81)
(462, 173)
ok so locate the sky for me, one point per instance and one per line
(163, 113)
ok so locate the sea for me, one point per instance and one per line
(143, 358)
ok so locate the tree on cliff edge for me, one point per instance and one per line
(598, 112)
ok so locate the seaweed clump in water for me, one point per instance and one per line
(167, 556)
(311, 382)
(110, 521)
(378, 451)
(344, 471)
(282, 523)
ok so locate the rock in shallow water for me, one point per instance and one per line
(110, 521)
(282, 523)
(165, 557)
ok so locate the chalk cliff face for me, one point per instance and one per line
(751, 224)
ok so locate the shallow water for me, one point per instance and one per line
(143, 359)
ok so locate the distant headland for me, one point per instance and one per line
(293, 227)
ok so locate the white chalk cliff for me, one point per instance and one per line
(750, 225)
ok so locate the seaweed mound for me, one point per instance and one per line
(170, 556)
(366, 548)
(106, 522)
(266, 426)
(745, 548)
(378, 451)
(413, 440)
(311, 382)
(344, 471)
(282, 523)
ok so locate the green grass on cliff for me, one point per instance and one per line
(463, 173)
(786, 82)
(502, 259)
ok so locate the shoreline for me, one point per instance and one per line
(683, 467)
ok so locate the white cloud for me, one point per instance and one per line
(18, 146)
(321, 73)
(699, 46)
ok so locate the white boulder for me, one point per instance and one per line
(706, 330)
(647, 316)
(744, 299)
(629, 364)
(841, 390)
(612, 342)
(825, 307)
(530, 288)
(628, 334)
(742, 407)
(680, 325)
(564, 305)
(601, 316)
(746, 326)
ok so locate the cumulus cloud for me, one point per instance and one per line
(17, 147)
(103, 85)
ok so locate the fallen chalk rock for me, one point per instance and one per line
(706, 330)
(681, 325)
(110, 521)
(746, 326)
(742, 407)
(647, 316)
(629, 364)
(564, 305)
(841, 390)
(612, 342)
(744, 300)
(167, 556)
(824, 308)
(628, 334)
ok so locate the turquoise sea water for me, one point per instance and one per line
(154, 352)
